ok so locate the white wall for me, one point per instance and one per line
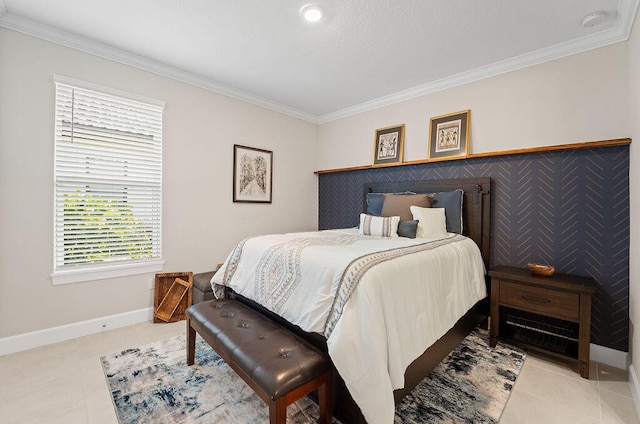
(575, 99)
(634, 177)
(201, 223)
(579, 98)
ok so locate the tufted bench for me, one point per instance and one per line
(279, 366)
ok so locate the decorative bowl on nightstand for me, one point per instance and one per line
(541, 269)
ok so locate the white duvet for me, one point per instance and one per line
(398, 308)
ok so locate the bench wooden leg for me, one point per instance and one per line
(191, 344)
(278, 411)
(325, 399)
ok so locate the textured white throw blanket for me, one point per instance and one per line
(381, 302)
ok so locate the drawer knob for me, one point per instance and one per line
(535, 299)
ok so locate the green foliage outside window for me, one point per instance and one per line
(99, 230)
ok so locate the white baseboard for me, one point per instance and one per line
(635, 388)
(47, 336)
(20, 342)
(608, 356)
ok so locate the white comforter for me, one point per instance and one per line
(398, 309)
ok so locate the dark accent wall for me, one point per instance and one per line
(566, 208)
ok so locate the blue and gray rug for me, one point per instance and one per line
(153, 384)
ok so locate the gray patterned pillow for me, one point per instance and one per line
(384, 226)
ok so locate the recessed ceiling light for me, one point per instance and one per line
(593, 19)
(311, 13)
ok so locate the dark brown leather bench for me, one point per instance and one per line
(278, 365)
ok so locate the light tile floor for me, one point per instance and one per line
(64, 383)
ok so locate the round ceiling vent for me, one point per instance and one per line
(595, 18)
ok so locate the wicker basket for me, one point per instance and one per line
(541, 269)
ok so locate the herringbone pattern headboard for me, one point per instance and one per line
(567, 208)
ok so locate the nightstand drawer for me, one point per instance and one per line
(549, 302)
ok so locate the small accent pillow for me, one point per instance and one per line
(432, 222)
(408, 229)
(384, 226)
(451, 201)
(398, 204)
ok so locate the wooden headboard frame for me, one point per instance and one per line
(476, 208)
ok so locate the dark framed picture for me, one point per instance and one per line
(252, 173)
(388, 145)
(449, 136)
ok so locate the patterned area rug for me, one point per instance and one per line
(153, 384)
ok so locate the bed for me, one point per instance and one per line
(382, 310)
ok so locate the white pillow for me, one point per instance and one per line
(385, 226)
(431, 221)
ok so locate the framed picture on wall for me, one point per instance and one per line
(252, 173)
(449, 136)
(388, 145)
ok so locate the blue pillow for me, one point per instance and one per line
(451, 201)
(374, 203)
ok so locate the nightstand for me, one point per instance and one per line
(550, 314)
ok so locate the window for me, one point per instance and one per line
(108, 183)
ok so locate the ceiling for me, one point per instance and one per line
(363, 54)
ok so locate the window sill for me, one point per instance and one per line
(102, 272)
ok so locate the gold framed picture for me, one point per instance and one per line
(449, 136)
(388, 145)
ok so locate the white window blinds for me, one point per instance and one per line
(108, 182)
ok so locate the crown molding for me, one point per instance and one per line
(621, 32)
(628, 9)
(30, 27)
